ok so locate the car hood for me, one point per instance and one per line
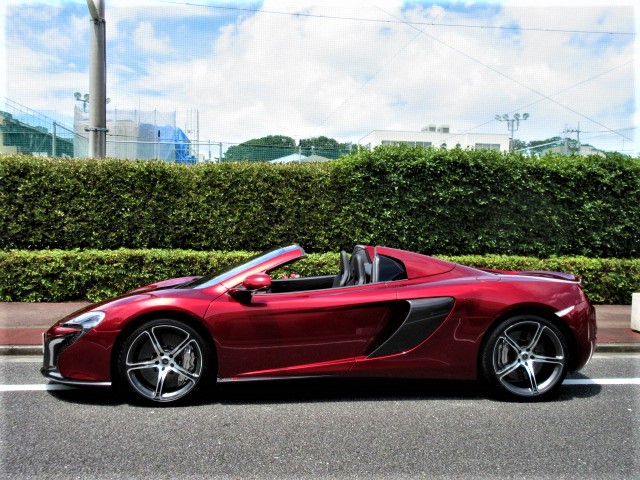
(132, 296)
(173, 282)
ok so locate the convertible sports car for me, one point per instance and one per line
(387, 313)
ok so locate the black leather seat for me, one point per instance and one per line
(345, 271)
(359, 272)
(358, 267)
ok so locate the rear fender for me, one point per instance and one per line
(540, 311)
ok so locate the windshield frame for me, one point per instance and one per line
(229, 271)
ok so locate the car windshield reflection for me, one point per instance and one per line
(229, 271)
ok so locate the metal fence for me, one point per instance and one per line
(23, 130)
(139, 135)
(229, 152)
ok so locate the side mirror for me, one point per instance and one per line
(250, 284)
(257, 281)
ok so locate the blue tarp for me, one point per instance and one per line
(172, 145)
(183, 144)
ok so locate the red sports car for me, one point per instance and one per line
(387, 313)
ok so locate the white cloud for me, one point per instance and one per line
(3, 55)
(144, 38)
(53, 36)
(306, 76)
(46, 93)
(269, 73)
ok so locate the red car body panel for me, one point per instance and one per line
(429, 324)
(308, 329)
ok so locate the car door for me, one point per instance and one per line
(300, 333)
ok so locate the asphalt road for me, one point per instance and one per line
(325, 429)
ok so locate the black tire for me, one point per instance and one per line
(525, 357)
(165, 360)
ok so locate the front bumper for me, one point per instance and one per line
(52, 373)
(55, 342)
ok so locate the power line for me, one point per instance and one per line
(365, 83)
(395, 21)
(517, 82)
(414, 25)
(558, 93)
(612, 131)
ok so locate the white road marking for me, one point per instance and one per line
(34, 387)
(40, 387)
(602, 381)
(598, 356)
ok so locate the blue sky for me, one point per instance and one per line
(340, 69)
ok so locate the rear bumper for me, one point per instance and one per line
(582, 320)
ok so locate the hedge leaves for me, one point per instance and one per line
(431, 201)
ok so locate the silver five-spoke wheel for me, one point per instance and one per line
(526, 356)
(163, 360)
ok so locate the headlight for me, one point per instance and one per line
(87, 320)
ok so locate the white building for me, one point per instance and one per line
(437, 137)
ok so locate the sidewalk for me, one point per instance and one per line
(22, 324)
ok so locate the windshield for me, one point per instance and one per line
(230, 270)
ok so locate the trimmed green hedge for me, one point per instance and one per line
(57, 276)
(480, 202)
(109, 204)
(605, 280)
(427, 200)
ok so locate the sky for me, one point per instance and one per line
(232, 71)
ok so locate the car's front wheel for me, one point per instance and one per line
(165, 360)
(525, 356)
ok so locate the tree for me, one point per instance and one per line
(319, 142)
(539, 146)
(518, 145)
(271, 147)
(324, 147)
(261, 149)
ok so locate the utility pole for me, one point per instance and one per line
(513, 124)
(97, 128)
(577, 132)
(197, 136)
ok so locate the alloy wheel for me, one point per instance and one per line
(163, 362)
(528, 357)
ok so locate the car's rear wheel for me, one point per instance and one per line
(525, 356)
(165, 360)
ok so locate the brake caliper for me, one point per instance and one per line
(188, 363)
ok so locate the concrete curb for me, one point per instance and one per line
(13, 350)
(618, 348)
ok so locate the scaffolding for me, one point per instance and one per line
(137, 135)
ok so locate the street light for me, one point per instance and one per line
(512, 124)
(85, 99)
